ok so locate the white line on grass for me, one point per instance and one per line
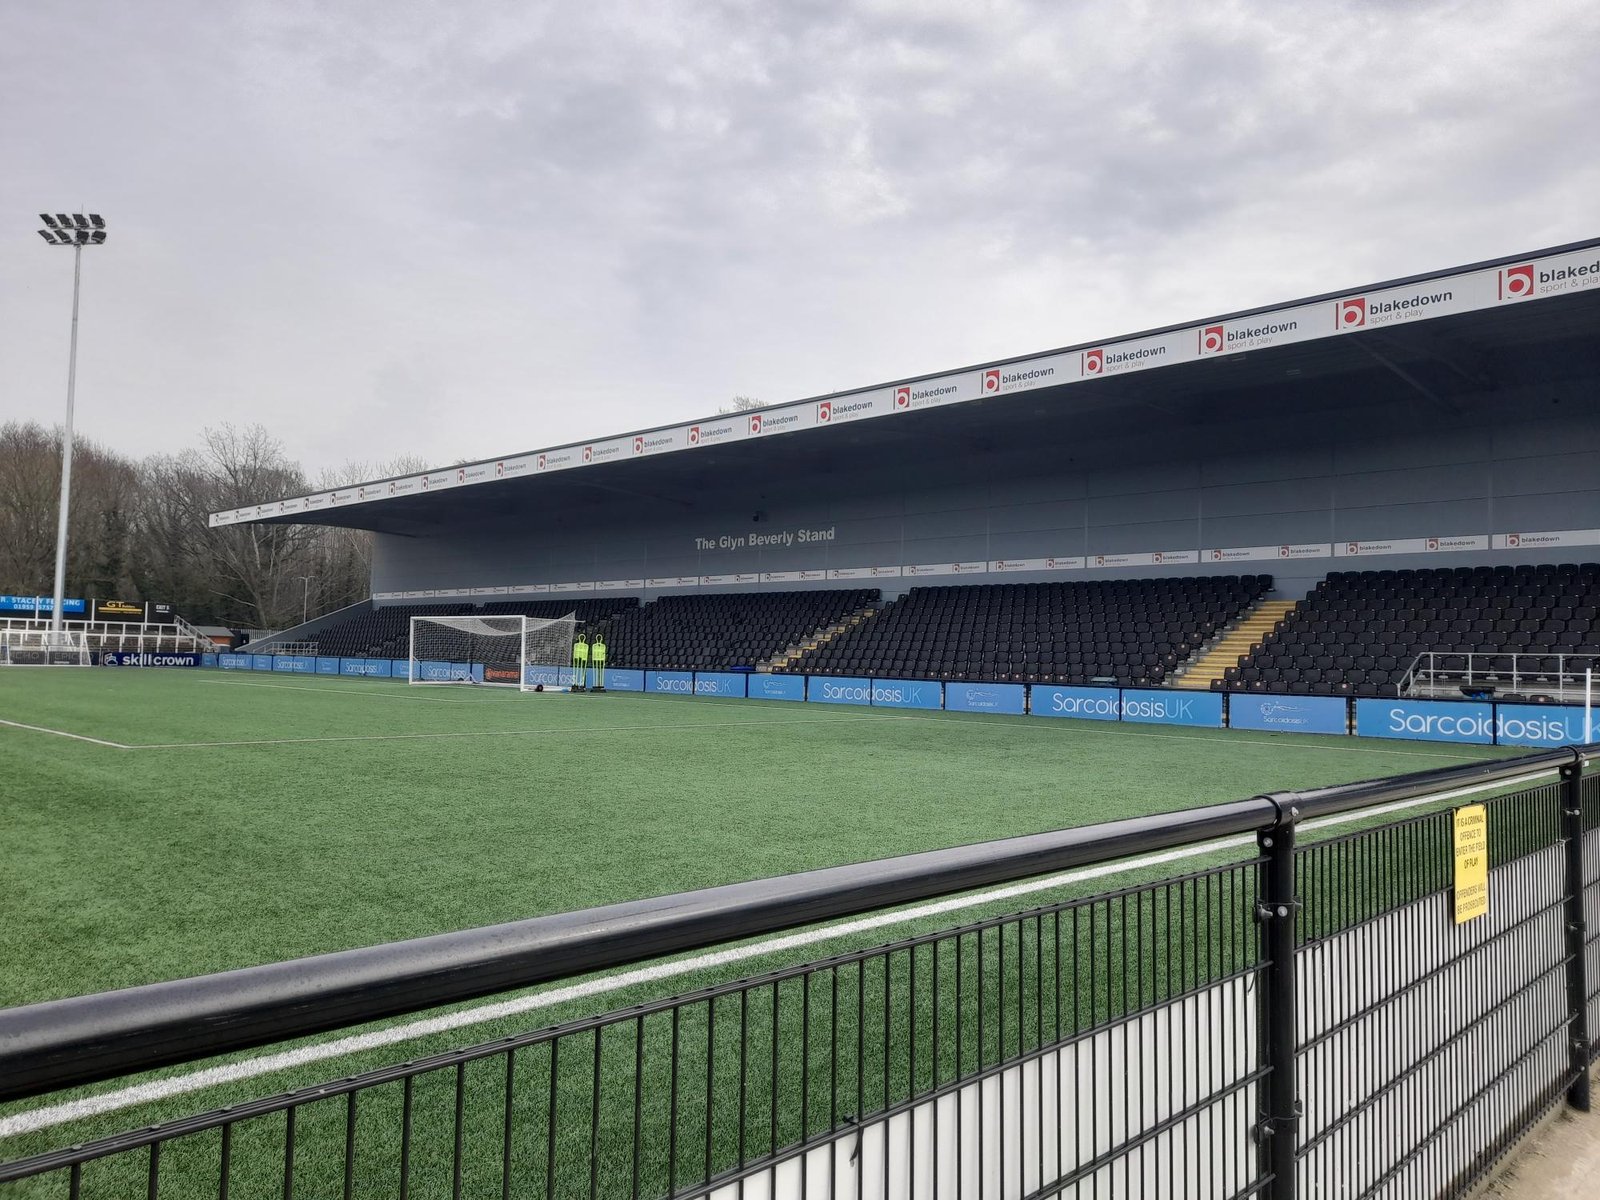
(162, 1089)
(77, 737)
(349, 691)
(482, 733)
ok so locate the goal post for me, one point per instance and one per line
(499, 651)
(44, 648)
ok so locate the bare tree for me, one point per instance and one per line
(100, 520)
(240, 574)
(743, 404)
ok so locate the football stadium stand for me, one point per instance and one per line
(385, 632)
(718, 633)
(1361, 632)
(1133, 631)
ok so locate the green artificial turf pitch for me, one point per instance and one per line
(260, 818)
(198, 821)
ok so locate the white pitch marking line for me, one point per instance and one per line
(344, 691)
(482, 733)
(77, 737)
(162, 1089)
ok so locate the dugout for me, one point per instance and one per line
(1448, 419)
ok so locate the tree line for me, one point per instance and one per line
(138, 528)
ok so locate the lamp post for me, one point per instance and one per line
(305, 595)
(76, 231)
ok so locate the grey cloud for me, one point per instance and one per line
(456, 228)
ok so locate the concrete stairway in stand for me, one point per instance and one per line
(819, 637)
(1235, 642)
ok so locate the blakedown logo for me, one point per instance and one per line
(1350, 314)
(1516, 283)
(825, 411)
(1212, 339)
(991, 381)
(1094, 361)
(902, 397)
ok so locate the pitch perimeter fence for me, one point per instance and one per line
(1307, 1020)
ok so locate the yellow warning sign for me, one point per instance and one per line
(1472, 862)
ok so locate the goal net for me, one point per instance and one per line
(502, 651)
(44, 648)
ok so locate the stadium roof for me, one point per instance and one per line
(1522, 319)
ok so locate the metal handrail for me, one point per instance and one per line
(86, 1039)
(1426, 663)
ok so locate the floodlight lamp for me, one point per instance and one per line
(48, 236)
(98, 236)
(83, 237)
(80, 220)
(63, 220)
(97, 220)
(48, 219)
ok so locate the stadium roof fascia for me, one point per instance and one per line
(1511, 279)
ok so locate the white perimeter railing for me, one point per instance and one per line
(1444, 673)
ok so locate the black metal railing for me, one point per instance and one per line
(1303, 1020)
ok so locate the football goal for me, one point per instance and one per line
(44, 648)
(501, 651)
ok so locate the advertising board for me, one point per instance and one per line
(720, 683)
(1426, 721)
(985, 697)
(1288, 714)
(1086, 704)
(1543, 725)
(906, 693)
(115, 658)
(777, 687)
(669, 683)
(830, 689)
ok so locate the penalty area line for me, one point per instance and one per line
(162, 1089)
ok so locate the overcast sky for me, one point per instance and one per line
(460, 229)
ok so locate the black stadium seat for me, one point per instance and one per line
(1359, 631)
(1133, 631)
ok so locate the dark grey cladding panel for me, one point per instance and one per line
(1268, 529)
(845, 504)
(951, 499)
(864, 554)
(951, 523)
(1572, 510)
(1070, 484)
(1414, 445)
(1284, 496)
(1059, 543)
(1405, 485)
(1546, 473)
(1573, 424)
(1135, 508)
(1447, 517)
(1271, 464)
(1047, 515)
(1131, 477)
(1141, 536)
(678, 564)
(946, 549)
(875, 529)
